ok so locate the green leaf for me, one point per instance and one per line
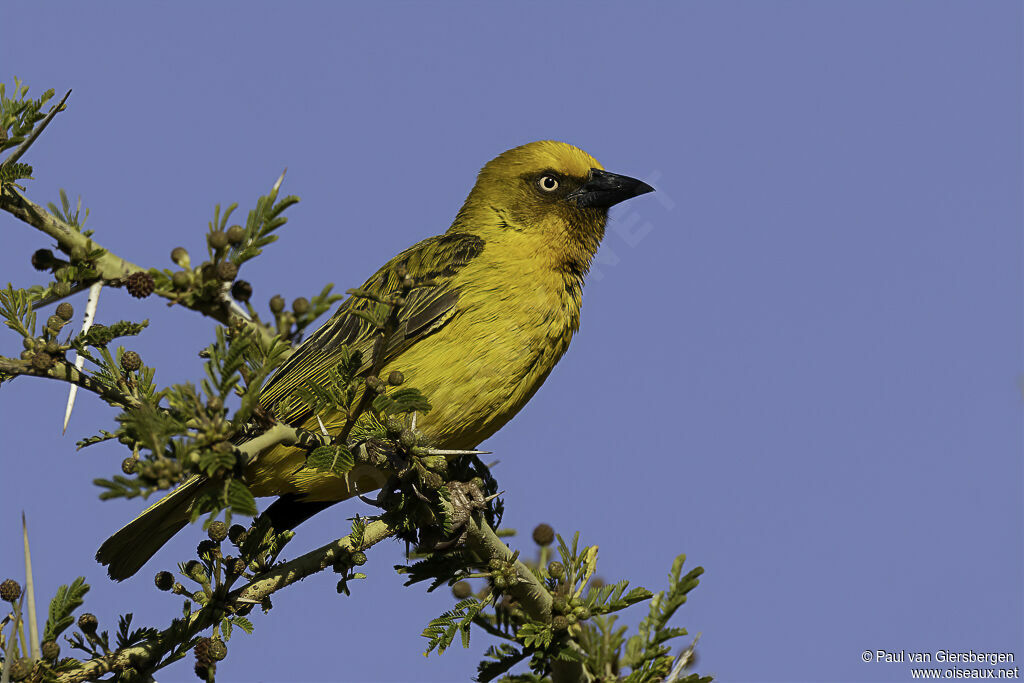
(64, 603)
(332, 458)
(240, 499)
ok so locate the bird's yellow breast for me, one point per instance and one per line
(515, 317)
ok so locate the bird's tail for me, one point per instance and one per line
(126, 551)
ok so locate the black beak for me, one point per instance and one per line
(606, 189)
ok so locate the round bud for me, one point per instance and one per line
(237, 566)
(65, 310)
(52, 348)
(276, 304)
(20, 668)
(241, 290)
(215, 404)
(42, 361)
(556, 570)
(559, 604)
(194, 570)
(218, 531)
(200, 597)
(140, 284)
(300, 305)
(164, 581)
(358, 558)
(395, 378)
(227, 271)
(129, 465)
(42, 259)
(180, 256)
(218, 650)
(394, 425)
(131, 361)
(50, 650)
(236, 233)
(202, 650)
(499, 581)
(375, 385)
(543, 534)
(55, 322)
(181, 280)
(462, 590)
(407, 438)
(236, 534)
(581, 613)
(205, 547)
(217, 239)
(88, 622)
(560, 623)
(494, 564)
(10, 590)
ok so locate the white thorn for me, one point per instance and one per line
(90, 313)
(323, 429)
(439, 451)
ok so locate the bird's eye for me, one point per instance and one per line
(548, 183)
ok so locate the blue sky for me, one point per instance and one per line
(799, 361)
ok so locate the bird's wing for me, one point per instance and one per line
(435, 261)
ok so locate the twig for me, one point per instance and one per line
(23, 147)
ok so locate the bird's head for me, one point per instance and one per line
(551, 189)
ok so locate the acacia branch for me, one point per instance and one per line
(111, 267)
(142, 656)
(66, 372)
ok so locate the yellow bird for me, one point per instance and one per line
(507, 281)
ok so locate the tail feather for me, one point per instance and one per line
(126, 551)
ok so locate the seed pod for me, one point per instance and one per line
(180, 256)
(50, 650)
(218, 531)
(164, 581)
(181, 280)
(237, 534)
(375, 385)
(241, 290)
(300, 305)
(131, 361)
(236, 233)
(65, 310)
(543, 534)
(217, 239)
(276, 304)
(10, 590)
(226, 271)
(88, 622)
(42, 259)
(140, 284)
